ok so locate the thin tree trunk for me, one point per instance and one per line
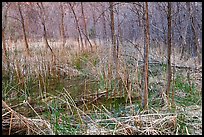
(24, 31)
(94, 24)
(169, 53)
(42, 11)
(5, 55)
(104, 24)
(45, 38)
(113, 36)
(119, 37)
(4, 46)
(143, 68)
(4, 24)
(77, 25)
(173, 76)
(145, 101)
(62, 26)
(85, 26)
(196, 41)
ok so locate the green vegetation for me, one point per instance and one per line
(106, 68)
(189, 95)
(81, 60)
(94, 98)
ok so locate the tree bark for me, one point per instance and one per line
(196, 41)
(24, 31)
(62, 26)
(169, 53)
(113, 36)
(94, 23)
(104, 23)
(85, 26)
(4, 23)
(77, 24)
(42, 10)
(145, 101)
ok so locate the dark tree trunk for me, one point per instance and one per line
(77, 24)
(62, 26)
(24, 31)
(147, 34)
(169, 53)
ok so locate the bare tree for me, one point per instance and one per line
(43, 21)
(146, 54)
(62, 25)
(84, 23)
(24, 31)
(77, 23)
(5, 7)
(169, 52)
(119, 34)
(195, 49)
(4, 23)
(113, 36)
(104, 22)
(94, 22)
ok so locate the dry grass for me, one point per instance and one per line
(140, 124)
(15, 123)
(154, 122)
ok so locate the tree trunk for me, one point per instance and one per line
(196, 48)
(113, 36)
(24, 31)
(62, 26)
(94, 24)
(85, 26)
(45, 39)
(104, 24)
(42, 10)
(4, 23)
(77, 25)
(169, 53)
(145, 101)
(119, 37)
